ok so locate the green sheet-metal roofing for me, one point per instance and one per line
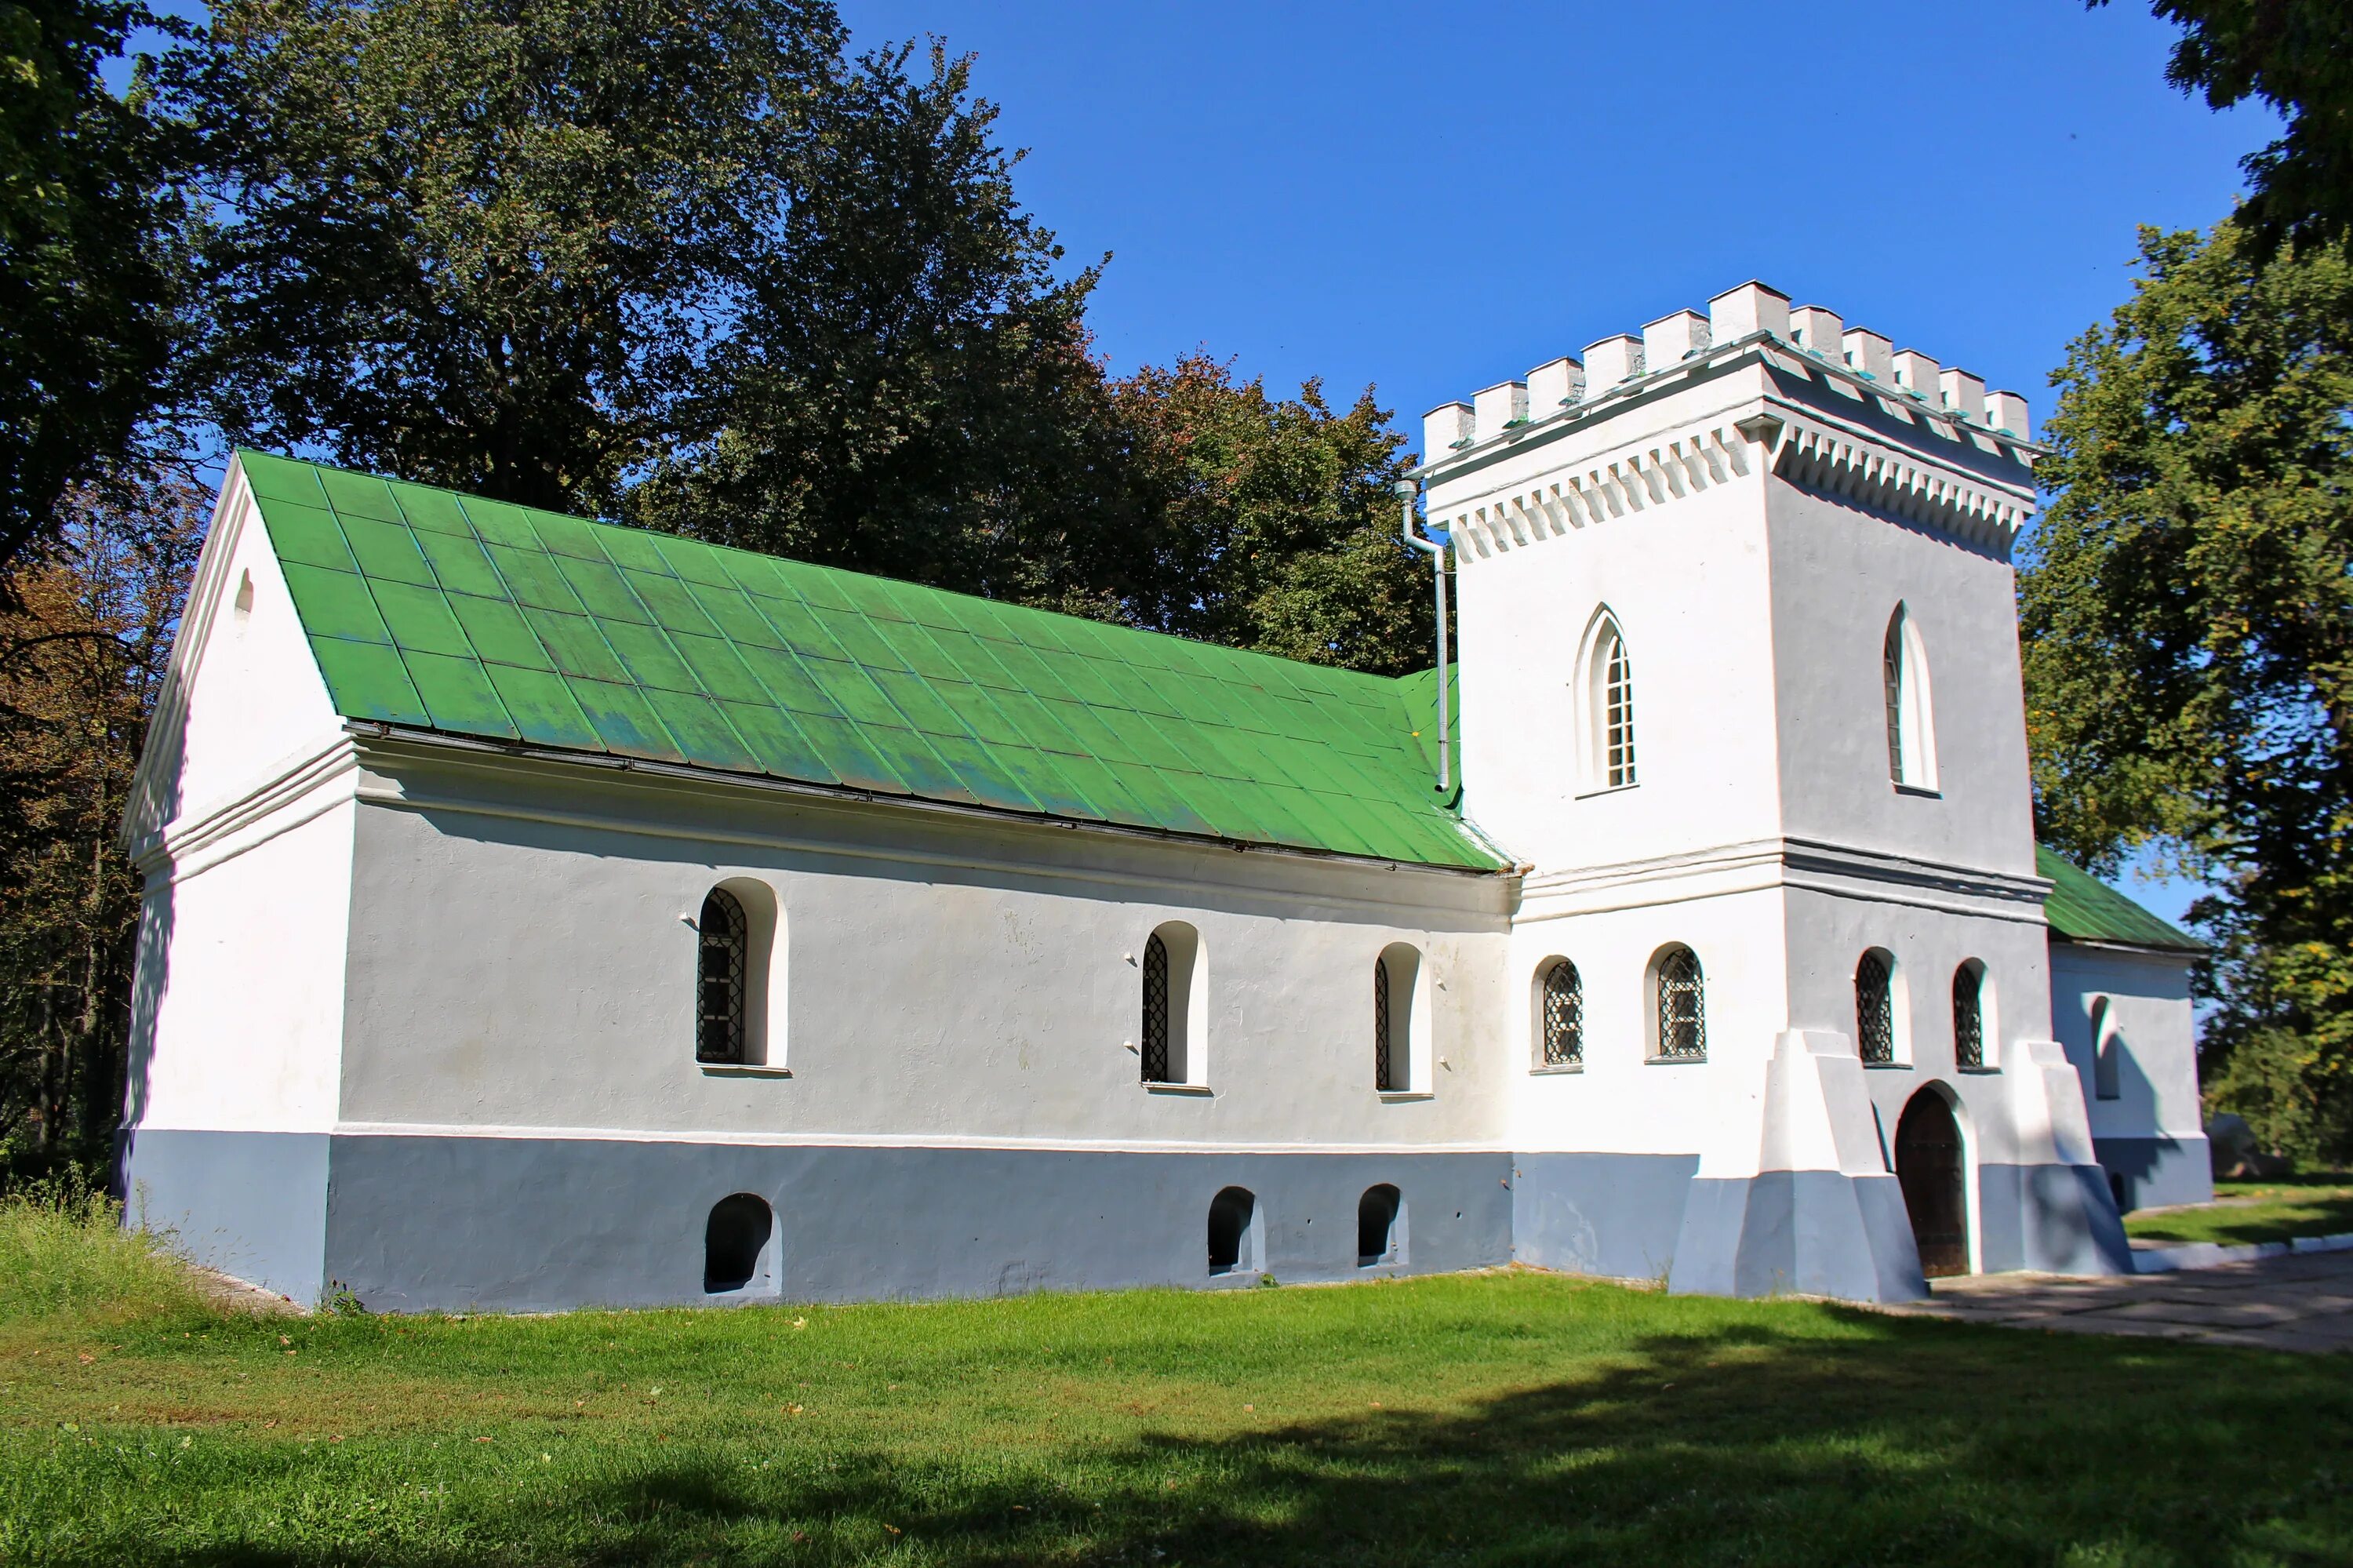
(476, 618)
(2083, 908)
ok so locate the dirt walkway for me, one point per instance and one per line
(2299, 1302)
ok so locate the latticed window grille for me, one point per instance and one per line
(1564, 1016)
(1875, 1010)
(1616, 710)
(1969, 1017)
(1156, 1010)
(718, 979)
(1891, 665)
(1383, 1076)
(1682, 1007)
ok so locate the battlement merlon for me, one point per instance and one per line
(1754, 387)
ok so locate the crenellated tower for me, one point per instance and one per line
(1740, 686)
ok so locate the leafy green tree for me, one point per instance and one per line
(908, 388)
(2297, 56)
(1275, 523)
(82, 659)
(87, 269)
(2188, 608)
(489, 243)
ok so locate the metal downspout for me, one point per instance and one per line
(1407, 490)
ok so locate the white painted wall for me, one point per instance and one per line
(1838, 574)
(518, 960)
(241, 821)
(240, 1013)
(2151, 1017)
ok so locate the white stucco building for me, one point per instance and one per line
(543, 914)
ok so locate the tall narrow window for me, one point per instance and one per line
(1890, 672)
(1969, 1017)
(1611, 699)
(1911, 726)
(1561, 1016)
(1156, 1010)
(1384, 1058)
(1875, 1008)
(2107, 1049)
(719, 1031)
(1681, 1004)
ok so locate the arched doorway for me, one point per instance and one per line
(1930, 1165)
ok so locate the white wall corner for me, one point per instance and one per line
(1751, 307)
(2047, 1104)
(1554, 386)
(1612, 360)
(1497, 408)
(1818, 1113)
(2006, 411)
(1674, 338)
(1444, 428)
(1869, 353)
(1812, 327)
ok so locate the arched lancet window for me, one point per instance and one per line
(1968, 1016)
(1401, 1048)
(2107, 1049)
(1384, 1054)
(1610, 708)
(1875, 1007)
(1911, 727)
(1156, 1010)
(1175, 996)
(1560, 1016)
(722, 958)
(1682, 1006)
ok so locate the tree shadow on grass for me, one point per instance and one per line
(1914, 1443)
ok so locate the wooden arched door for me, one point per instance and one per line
(1929, 1165)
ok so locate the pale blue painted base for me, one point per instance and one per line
(1610, 1214)
(2052, 1219)
(525, 1224)
(519, 1224)
(2156, 1172)
(1811, 1233)
(253, 1205)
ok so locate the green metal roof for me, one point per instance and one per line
(2083, 908)
(449, 612)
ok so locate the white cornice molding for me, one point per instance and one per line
(1762, 864)
(1823, 454)
(887, 1141)
(297, 790)
(1695, 455)
(551, 784)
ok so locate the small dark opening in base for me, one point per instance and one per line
(1230, 1220)
(733, 1241)
(2116, 1191)
(1376, 1213)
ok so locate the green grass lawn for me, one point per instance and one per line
(1511, 1418)
(2276, 1210)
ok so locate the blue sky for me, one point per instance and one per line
(1434, 199)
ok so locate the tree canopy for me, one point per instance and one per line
(2297, 56)
(2188, 611)
(87, 274)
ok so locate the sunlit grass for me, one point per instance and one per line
(2256, 1212)
(1515, 1418)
